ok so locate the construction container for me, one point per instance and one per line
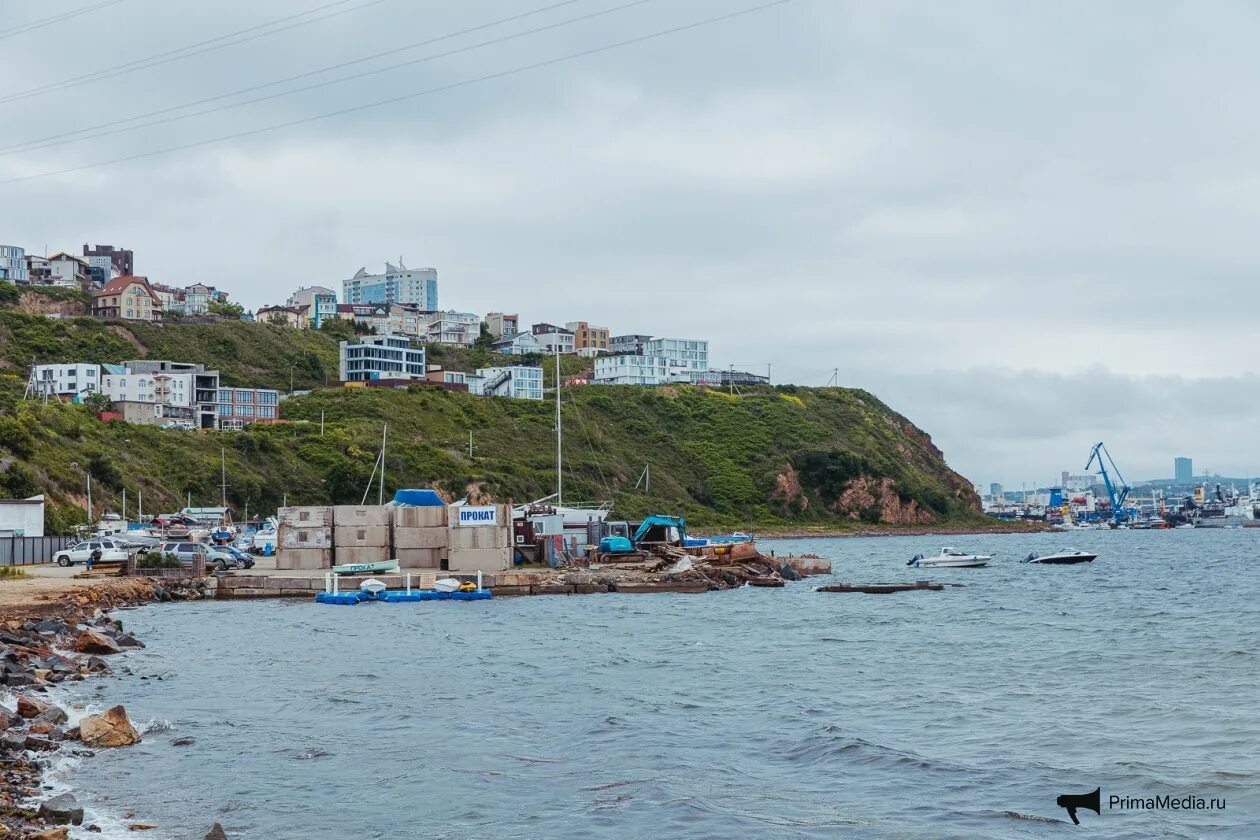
(291, 537)
(310, 516)
(419, 558)
(420, 538)
(360, 515)
(306, 559)
(361, 536)
(419, 517)
(479, 559)
(365, 554)
(479, 538)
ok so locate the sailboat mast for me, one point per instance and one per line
(223, 476)
(559, 436)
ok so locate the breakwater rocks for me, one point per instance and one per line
(66, 639)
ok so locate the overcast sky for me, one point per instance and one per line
(1025, 226)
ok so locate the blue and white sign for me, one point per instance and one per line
(477, 516)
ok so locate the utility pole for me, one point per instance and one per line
(470, 445)
(730, 381)
(559, 436)
(380, 493)
(124, 511)
(89, 497)
(321, 423)
(223, 476)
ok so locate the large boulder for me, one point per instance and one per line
(110, 728)
(53, 715)
(29, 707)
(6, 720)
(62, 809)
(90, 641)
(215, 833)
(61, 833)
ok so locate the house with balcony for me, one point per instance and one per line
(517, 382)
(518, 344)
(588, 340)
(69, 382)
(501, 325)
(381, 357)
(129, 298)
(555, 339)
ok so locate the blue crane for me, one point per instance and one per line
(1116, 495)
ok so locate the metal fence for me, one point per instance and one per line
(27, 551)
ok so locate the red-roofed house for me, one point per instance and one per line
(130, 298)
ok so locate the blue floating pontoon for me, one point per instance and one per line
(349, 598)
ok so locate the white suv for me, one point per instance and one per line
(111, 552)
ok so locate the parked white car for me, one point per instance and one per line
(112, 551)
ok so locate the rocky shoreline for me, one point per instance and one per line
(67, 639)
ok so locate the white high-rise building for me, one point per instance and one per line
(417, 287)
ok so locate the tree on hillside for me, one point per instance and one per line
(338, 330)
(225, 308)
(98, 402)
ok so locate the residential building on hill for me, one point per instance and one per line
(501, 325)
(727, 378)
(198, 296)
(69, 271)
(633, 369)
(38, 273)
(628, 343)
(454, 329)
(692, 355)
(381, 357)
(130, 298)
(518, 344)
(590, 338)
(239, 407)
(320, 300)
(122, 260)
(13, 264)
(289, 316)
(553, 338)
(398, 284)
(65, 382)
(517, 382)
(159, 392)
(100, 271)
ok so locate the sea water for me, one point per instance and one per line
(755, 713)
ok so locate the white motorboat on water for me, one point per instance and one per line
(950, 558)
(372, 586)
(1065, 557)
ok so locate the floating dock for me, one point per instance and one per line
(351, 598)
(885, 588)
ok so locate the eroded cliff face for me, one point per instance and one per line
(865, 495)
(37, 304)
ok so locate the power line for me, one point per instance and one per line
(403, 98)
(49, 21)
(191, 50)
(30, 146)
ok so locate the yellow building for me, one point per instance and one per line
(130, 298)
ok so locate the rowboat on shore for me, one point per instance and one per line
(382, 567)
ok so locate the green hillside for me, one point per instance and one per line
(782, 457)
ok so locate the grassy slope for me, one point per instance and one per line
(714, 458)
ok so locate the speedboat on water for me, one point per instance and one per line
(950, 558)
(1061, 557)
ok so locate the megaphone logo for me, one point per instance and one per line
(1072, 801)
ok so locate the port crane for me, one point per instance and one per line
(1115, 494)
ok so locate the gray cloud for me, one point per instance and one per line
(925, 197)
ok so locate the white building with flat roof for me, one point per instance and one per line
(632, 369)
(381, 357)
(690, 354)
(65, 381)
(517, 382)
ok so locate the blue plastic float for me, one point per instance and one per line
(351, 598)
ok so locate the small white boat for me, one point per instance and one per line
(1065, 557)
(447, 585)
(950, 558)
(372, 586)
